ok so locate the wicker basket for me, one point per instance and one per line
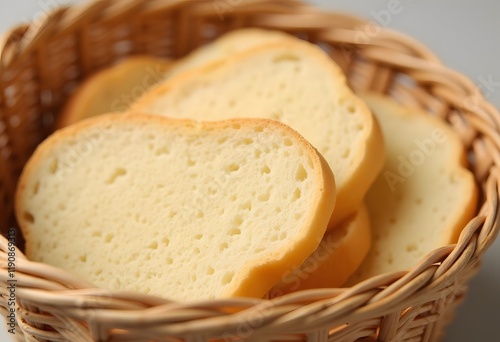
(41, 64)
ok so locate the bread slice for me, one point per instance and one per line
(337, 257)
(424, 195)
(293, 82)
(113, 89)
(175, 208)
(228, 44)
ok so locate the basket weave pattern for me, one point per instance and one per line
(41, 64)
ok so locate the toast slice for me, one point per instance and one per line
(423, 197)
(337, 257)
(296, 83)
(175, 208)
(113, 89)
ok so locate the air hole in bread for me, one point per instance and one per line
(265, 170)
(153, 245)
(289, 57)
(227, 278)
(172, 214)
(54, 166)
(165, 241)
(210, 270)
(198, 236)
(28, 217)
(231, 104)
(296, 194)
(247, 141)
(221, 140)
(360, 127)
(265, 197)
(301, 174)
(232, 167)
(108, 238)
(246, 206)
(197, 251)
(236, 126)
(96, 233)
(287, 142)
(169, 261)
(346, 153)
(234, 232)
(82, 258)
(237, 221)
(257, 153)
(411, 247)
(223, 246)
(351, 109)
(119, 172)
(36, 187)
(164, 150)
(259, 129)
(297, 216)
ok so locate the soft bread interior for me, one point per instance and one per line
(424, 195)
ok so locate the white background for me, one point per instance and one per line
(466, 36)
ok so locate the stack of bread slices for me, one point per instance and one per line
(248, 168)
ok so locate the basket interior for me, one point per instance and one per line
(40, 66)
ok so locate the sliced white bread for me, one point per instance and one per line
(228, 44)
(337, 257)
(424, 195)
(113, 89)
(296, 83)
(175, 208)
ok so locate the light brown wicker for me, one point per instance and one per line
(40, 65)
